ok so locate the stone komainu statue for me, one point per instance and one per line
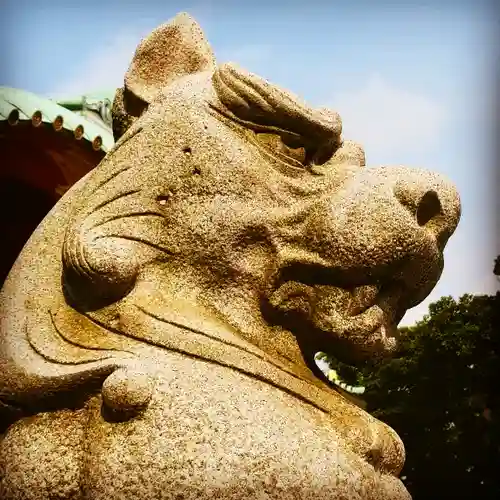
(158, 330)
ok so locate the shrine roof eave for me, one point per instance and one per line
(19, 105)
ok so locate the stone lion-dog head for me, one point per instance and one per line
(231, 227)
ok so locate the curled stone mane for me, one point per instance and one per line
(265, 107)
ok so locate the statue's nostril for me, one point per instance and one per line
(428, 208)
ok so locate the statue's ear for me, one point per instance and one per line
(173, 50)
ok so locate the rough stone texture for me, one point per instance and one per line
(158, 330)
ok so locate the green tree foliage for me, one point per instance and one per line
(496, 269)
(441, 394)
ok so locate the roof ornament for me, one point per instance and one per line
(13, 118)
(79, 132)
(58, 123)
(102, 107)
(36, 118)
(97, 143)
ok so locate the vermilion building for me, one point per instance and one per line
(45, 147)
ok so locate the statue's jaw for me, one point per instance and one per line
(351, 323)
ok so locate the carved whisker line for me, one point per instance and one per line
(125, 138)
(109, 179)
(74, 251)
(117, 146)
(114, 198)
(74, 257)
(194, 330)
(83, 265)
(247, 124)
(51, 359)
(137, 240)
(76, 344)
(211, 337)
(129, 215)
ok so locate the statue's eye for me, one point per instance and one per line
(284, 148)
(292, 150)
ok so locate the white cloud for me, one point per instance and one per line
(387, 119)
(246, 56)
(105, 68)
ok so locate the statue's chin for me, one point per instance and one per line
(369, 334)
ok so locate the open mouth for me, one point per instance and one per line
(362, 319)
(352, 324)
(350, 382)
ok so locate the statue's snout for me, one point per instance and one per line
(430, 199)
(386, 224)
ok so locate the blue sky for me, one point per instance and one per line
(412, 81)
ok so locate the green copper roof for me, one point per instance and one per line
(75, 102)
(19, 105)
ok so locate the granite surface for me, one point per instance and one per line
(158, 331)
